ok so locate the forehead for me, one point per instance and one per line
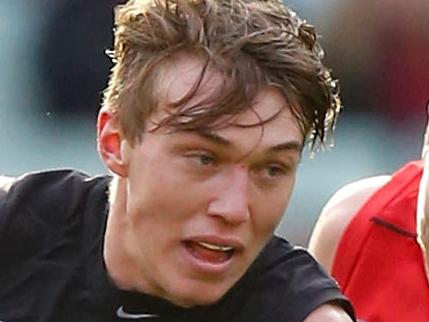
(181, 74)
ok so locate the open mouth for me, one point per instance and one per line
(209, 252)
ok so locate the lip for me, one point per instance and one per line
(233, 242)
(209, 267)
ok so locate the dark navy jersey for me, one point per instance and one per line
(52, 227)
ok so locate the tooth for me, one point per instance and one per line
(215, 247)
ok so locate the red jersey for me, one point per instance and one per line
(379, 263)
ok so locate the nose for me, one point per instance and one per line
(231, 197)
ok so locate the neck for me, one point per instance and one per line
(119, 263)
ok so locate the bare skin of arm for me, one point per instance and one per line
(423, 202)
(337, 214)
(344, 204)
(5, 183)
(328, 313)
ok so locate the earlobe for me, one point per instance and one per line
(110, 143)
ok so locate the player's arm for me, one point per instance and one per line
(5, 184)
(328, 313)
(337, 214)
(423, 201)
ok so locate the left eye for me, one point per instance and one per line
(202, 158)
(206, 159)
(275, 170)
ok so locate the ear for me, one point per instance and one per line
(111, 143)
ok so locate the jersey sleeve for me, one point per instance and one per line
(35, 210)
(312, 288)
(287, 284)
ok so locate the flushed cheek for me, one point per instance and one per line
(165, 212)
(267, 215)
(163, 193)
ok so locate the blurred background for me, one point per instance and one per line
(53, 69)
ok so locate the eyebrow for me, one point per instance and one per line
(287, 146)
(293, 145)
(213, 137)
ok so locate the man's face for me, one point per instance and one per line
(200, 206)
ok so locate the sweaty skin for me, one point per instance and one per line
(345, 203)
(337, 214)
(193, 209)
(190, 211)
(423, 203)
(5, 184)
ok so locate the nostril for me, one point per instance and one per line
(232, 209)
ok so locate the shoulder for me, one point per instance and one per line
(290, 282)
(53, 185)
(328, 313)
(37, 207)
(51, 192)
(338, 213)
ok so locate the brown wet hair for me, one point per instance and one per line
(252, 43)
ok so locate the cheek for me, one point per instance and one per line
(269, 208)
(164, 195)
(267, 217)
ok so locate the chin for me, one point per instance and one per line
(202, 297)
